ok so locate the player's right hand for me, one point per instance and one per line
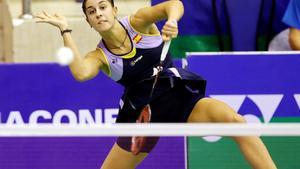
(56, 20)
(169, 30)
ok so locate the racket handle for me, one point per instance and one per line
(165, 50)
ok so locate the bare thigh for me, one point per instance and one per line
(212, 110)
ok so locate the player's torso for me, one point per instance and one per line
(138, 64)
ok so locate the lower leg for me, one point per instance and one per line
(119, 158)
(255, 152)
(253, 149)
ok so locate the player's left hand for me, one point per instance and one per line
(56, 20)
(170, 30)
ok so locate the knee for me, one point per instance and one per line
(230, 117)
(224, 114)
(239, 119)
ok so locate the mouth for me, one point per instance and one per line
(100, 22)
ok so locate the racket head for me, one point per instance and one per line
(138, 142)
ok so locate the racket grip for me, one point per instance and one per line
(165, 50)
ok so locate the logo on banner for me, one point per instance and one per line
(266, 103)
(297, 98)
(66, 116)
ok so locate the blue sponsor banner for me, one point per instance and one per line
(259, 84)
(47, 93)
(198, 18)
(44, 90)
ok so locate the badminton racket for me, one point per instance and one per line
(137, 142)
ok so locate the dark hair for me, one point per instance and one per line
(84, 7)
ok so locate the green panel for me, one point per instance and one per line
(285, 151)
(183, 44)
(224, 154)
(286, 119)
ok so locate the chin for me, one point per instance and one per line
(104, 28)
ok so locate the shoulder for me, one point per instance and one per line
(144, 19)
(138, 24)
(96, 56)
(97, 59)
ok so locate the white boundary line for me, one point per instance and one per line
(153, 129)
(243, 53)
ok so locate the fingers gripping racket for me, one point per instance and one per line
(137, 142)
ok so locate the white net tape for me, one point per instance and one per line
(153, 129)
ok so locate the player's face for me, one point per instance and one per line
(100, 14)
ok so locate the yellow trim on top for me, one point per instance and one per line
(131, 54)
(107, 63)
(145, 34)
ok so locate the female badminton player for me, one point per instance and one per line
(129, 53)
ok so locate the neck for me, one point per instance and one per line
(115, 36)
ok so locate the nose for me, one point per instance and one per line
(98, 12)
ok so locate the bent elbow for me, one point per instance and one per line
(80, 77)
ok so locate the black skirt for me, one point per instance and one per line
(173, 99)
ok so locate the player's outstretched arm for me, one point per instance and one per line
(82, 68)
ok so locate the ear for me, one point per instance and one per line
(88, 21)
(116, 11)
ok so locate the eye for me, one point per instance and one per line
(90, 12)
(102, 7)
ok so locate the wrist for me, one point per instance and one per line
(63, 27)
(62, 32)
(173, 21)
